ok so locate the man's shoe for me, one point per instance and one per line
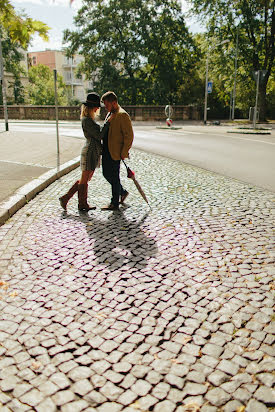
(123, 197)
(110, 207)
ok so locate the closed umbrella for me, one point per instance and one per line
(131, 175)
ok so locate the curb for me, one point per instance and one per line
(248, 132)
(27, 192)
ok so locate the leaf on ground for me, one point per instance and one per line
(191, 407)
(13, 294)
(135, 405)
(36, 365)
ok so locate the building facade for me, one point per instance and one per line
(66, 67)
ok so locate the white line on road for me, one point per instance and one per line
(251, 140)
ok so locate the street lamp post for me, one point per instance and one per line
(206, 78)
(235, 78)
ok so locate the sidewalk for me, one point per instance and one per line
(25, 156)
(169, 310)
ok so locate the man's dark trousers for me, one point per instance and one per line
(111, 169)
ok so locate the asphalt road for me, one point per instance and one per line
(248, 158)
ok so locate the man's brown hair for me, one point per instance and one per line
(109, 96)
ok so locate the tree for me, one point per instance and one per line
(254, 20)
(41, 87)
(20, 27)
(141, 49)
(16, 31)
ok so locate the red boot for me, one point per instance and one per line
(82, 198)
(64, 199)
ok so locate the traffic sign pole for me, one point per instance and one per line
(206, 91)
(256, 103)
(3, 84)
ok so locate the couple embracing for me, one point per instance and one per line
(113, 141)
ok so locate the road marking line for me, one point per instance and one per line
(251, 140)
(26, 164)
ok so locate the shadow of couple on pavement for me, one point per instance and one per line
(118, 241)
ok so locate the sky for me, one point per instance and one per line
(58, 15)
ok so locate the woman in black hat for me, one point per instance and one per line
(90, 154)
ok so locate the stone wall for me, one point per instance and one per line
(73, 112)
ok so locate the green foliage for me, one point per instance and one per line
(141, 49)
(12, 57)
(40, 90)
(21, 28)
(254, 21)
(16, 31)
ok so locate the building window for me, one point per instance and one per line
(34, 60)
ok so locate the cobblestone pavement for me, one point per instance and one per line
(169, 310)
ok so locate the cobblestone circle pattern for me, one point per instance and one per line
(138, 310)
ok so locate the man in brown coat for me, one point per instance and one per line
(116, 146)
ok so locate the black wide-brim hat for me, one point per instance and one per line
(93, 100)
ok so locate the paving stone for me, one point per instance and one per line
(128, 381)
(16, 405)
(265, 395)
(191, 388)
(111, 391)
(218, 377)
(162, 366)
(82, 387)
(174, 380)
(141, 387)
(110, 407)
(140, 371)
(196, 377)
(217, 397)
(165, 406)
(76, 406)
(100, 366)
(146, 402)
(7, 325)
(242, 395)
(48, 388)
(161, 390)
(61, 380)
(122, 367)
(9, 383)
(63, 397)
(127, 397)
(95, 398)
(20, 389)
(209, 361)
(208, 408)
(212, 350)
(113, 376)
(232, 406)
(266, 378)
(46, 406)
(255, 406)
(228, 367)
(32, 398)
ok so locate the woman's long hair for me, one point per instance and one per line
(87, 112)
